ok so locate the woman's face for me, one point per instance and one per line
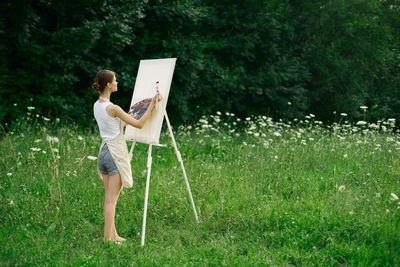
(113, 85)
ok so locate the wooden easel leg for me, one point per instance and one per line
(149, 160)
(178, 155)
(131, 150)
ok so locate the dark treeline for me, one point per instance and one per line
(284, 59)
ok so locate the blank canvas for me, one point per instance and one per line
(150, 71)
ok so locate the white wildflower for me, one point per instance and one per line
(9, 174)
(38, 140)
(80, 138)
(289, 103)
(345, 156)
(364, 107)
(361, 123)
(343, 114)
(277, 134)
(35, 149)
(219, 113)
(342, 188)
(11, 203)
(393, 197)
(92, 157)
(54, 150)
(52, 139)
(374, 126)
(30, 108)
(247, 119)
(46, 119)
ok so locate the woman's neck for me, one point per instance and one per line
(106, 95)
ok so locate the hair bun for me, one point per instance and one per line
(96, 87)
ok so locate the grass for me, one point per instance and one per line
(273, 193)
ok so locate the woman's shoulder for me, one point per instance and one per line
(113, 106)
(113, 109)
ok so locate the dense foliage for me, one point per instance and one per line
(281, 58)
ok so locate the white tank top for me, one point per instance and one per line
(109, 127)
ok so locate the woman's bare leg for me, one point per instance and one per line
(112, 187)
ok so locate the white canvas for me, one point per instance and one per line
(150, 71)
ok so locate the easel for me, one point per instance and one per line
(149, 162)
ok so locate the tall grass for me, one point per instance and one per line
(272, 193)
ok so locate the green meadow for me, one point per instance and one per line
(266, 192)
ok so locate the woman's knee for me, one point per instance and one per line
(110, 201)
(111, 198)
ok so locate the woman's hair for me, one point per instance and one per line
(102, 78)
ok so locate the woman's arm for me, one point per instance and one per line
(124, 124)
(117, 111)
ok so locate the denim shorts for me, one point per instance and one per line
(106, 163)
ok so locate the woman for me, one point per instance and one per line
(113, 160)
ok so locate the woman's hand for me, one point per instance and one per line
(157, 98)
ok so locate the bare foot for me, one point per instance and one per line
(116, 238)
(120, 239)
